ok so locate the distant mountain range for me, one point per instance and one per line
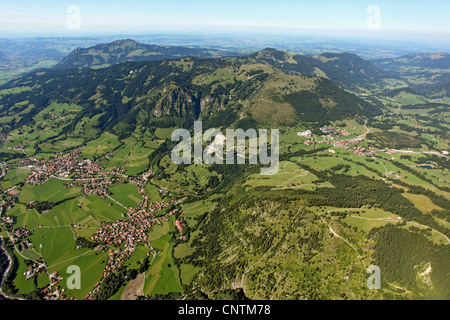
(345, 69)
(427, 73)
(128, 84)
(105, 55)
(439, 60)
(265, 88)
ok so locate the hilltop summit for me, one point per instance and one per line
(124, 50)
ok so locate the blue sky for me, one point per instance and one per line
(398, 18)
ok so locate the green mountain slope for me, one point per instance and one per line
(137, 93)
(345, 69)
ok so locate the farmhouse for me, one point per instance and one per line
(179, 225)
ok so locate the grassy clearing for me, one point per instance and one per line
(132, 155)
(101, 209)
(158, 231)
(289, 175)
(126, 194)
(153, 191)
(61, 145)
(162, 277)
(194, 209)
(421, 202)
(368, 219)
(188, 272)
(42, 192)
(17, 175)
(164, 133)
(107, 142)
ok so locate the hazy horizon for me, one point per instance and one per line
(409, 21)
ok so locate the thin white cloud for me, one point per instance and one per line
(13, 12)
(30, 21)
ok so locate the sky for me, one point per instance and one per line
(413, 19)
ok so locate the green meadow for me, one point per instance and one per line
(162, 276)
(188, 272)
(107, 142)
(367, 219)
(126, 194)
(164, 133)
(51, 190)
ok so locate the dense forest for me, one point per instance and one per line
(398, 252)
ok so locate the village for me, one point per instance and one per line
(82, 172)
(120, 238)
(333, 137)
(130, 232)
(64, 165)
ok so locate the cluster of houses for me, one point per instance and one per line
(6, 204)
(17, 236)
(329, 131)
(129, 232)
(109, 155)
(132, 230)
(141, 180)
(61, 166)
(24, 245)
(126, 235)
(349, 145)
(36, 178)
(20, 233)
(335, 133)
(7, 220)
(116, 171)
(366, 151)
(53, 291)
(179, 226)
(33, 271)
(87, 173)
(98, 186)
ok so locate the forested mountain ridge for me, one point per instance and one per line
(104, 55)
(345, 69)
(187, 89)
